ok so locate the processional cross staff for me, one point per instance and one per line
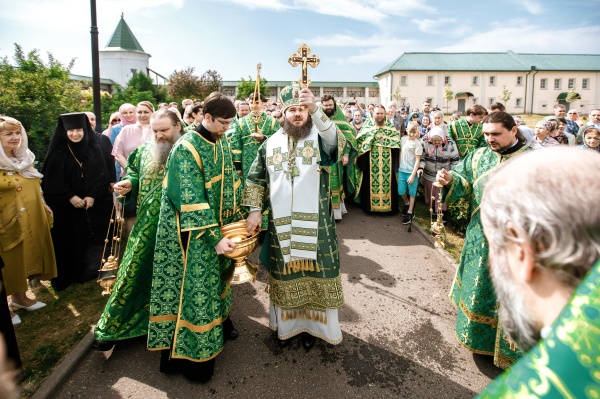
(305, 60)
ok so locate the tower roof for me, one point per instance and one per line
(123, 38)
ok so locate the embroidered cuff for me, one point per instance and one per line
(253, 195)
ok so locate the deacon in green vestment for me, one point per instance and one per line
(542, 244)
(191, 297)
(251, 131)
(378, 160)
(302, 254)
(126, 313)
(197, 114)
(342, 175)
(466, 132)
(242, 109)
(472, 292)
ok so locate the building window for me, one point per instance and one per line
(403, 80)
(557, 83)
(543, 83)
(585, 83)
(475, 100)
(519, 103)
(429, 100)
(447, 80)
(491, 100)
(571, 84)
(519, 80)
(475, 80)
(430, 80)
(133, 71)
(492, 81)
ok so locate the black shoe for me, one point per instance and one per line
(404, 210)
(103, 346)
(407, 218)
(308, 341)
(229, 331)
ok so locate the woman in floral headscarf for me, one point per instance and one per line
(542, 133)
(439, 151)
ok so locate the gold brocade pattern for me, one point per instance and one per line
(253, 195)
(315, 292)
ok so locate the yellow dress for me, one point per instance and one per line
(25, 241)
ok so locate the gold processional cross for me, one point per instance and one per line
(305, 60)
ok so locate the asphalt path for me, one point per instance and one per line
(398, 327)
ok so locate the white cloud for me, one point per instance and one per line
(530, 39)
(532, 6)
(372, 11)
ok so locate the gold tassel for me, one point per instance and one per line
(321, 318)
(284, 272)
(267, 288)
(325, 322)
(312, 265)
(284, 316)
(318, 269)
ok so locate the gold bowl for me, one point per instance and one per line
(244, 269)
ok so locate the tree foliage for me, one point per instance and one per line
(184, 84)
(572, 95)
(246, 87)
(211, 81)
(36, 93)
(505, 94)
(448, 95)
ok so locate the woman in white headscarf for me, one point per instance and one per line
(25, 242)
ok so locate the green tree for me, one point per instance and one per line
(211, 81)
(397, 94)
(36, 93)
(184, 84)
(246, 87)
(448, 95)
(572, 95)
(505, 94)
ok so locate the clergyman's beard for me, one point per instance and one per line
(329, 111)
(297, 132)
(516, 320)
(161, 150)
(379, 121)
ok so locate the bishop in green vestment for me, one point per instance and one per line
(545, 265)
(190, 297)
(466, 132)
(472, 291)
(377, 164)
(301, 250)
(126, 313)
(342, 178)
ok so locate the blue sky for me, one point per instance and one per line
(353, 38)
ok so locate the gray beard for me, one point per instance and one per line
(297, 132)
(516, 320)
(161, 150)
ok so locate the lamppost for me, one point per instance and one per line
(96, 68)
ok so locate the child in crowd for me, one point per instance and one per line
(591, 138)
(409, 173)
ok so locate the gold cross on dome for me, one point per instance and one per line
(305, 60)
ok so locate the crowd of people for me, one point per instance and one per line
(289, 168)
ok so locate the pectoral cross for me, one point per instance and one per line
(305, 60)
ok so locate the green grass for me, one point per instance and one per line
(47, 335)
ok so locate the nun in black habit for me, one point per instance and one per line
(76, 186)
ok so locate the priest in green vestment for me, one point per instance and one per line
(302, 255)
(466, 132)
(242, 109)
(377, 164)
(126, 313)
(341, 176)
(545, 265)
(191, 297)
(472, 292)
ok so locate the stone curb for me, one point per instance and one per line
(65, 368)
(430, 239)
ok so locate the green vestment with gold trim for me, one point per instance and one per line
(467, 137)
(472, 291)
(244, 147)
(126, 313)
(189, 299)
(300, 287)
(377, 166)
(342, 179)
(565, 364)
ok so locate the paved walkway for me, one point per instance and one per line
(398, 326)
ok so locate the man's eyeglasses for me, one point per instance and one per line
(223, 123)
